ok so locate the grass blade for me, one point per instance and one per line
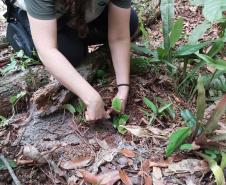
(151, 105)
(212, 123)
(215, 168)
(223, 160)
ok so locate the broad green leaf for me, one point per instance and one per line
(186, 147)
(116, 104)
(212, 123)
(162, 53)
(189, 118)
(201, 100)
(218, 63)
(69, 108)
(213, 10)
(151, 105)
(197, 2)
(190, 49)
(217, 171)
(223, 160)
(176, 139)
(216, 48)
(167, 14)
(164, 107)
(212, 153)
(176, 32)
(119, 122)
(141, 50)
(11, 163)
(198, 32)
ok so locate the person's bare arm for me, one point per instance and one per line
(44, 34)
(119, 42)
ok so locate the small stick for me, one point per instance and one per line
(6, 163)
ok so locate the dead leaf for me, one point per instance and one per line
(108, 178)
(161, 164)
(89, 177)
(72, 180)
(187, 166)
(147, 180)
(76, 163)
(32, 153)
(157, 176)
(128, 153)
(138, 131)
(124, 177)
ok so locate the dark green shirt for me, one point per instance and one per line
(51, 9)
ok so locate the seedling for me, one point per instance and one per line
(156, 112)
(201, 136)
(119, 120)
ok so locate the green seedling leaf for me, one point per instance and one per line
(163, 108)
(186, 147)
(119, 122)
(116, 104)
(141, 50)
(189, 118)
(176, 139)
(167, 14)
(80, 107)
(201, 100)
(217, 171)
(14, 99)
(176, 32)
(170, 110)
(212, 153)
(11, 163)
(151, 105)
(198, 32)
(218, 63)
(69, 108)
(212, 123)
(190, 49)
(223, 160)
(216, 48)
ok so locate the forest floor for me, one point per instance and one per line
(69, 143)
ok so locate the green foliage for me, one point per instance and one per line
(176, 139)
(215, 168)
(11, 163)
(189, 118)
(155, 110)
(3, 121)
(120, 121)
(19, 61)
(176, 32)
(116, 104)
(15, 99)
(70, 108)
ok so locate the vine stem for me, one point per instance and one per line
(11, 172)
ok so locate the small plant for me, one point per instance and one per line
(200, 136)
(15, 99)
(156, 112)
(78, 109)
(119, 120)
(3, 121)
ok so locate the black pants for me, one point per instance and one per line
(69, 43)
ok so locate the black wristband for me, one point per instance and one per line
(123, 85)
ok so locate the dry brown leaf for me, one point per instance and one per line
(124, 177)
(138, 131)
(157, 176)
(89, 177)
(147, 180)
(128, 153)
(32, 153)
(161, 164)
(76, 163)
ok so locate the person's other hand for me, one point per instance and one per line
(95, 110)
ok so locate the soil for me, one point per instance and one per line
(74, 138)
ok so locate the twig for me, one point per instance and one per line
(6, 163)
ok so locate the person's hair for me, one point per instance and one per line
(77, 10)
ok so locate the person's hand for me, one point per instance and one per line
(122, 94)
(95, 110)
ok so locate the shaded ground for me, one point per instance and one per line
(101, 142)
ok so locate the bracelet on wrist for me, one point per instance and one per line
(120, 85)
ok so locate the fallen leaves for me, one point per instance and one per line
(124, 177)
(76, 163)
(128, 153)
